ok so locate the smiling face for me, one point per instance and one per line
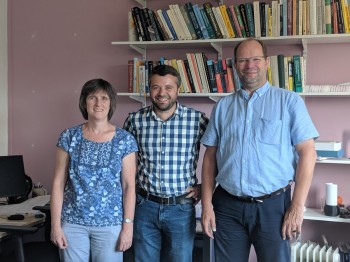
(163, 94)
(98, 105)
(251, 65)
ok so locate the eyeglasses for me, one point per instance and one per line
(255, 60)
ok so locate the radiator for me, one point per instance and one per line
(313, 252)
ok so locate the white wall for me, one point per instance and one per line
(3, 79)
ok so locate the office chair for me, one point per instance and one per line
(36, 251)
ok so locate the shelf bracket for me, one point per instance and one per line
(142, 3)
(218, 48)
(214, 98)
(140, 50)
(140, 98)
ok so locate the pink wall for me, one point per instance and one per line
(55, 47)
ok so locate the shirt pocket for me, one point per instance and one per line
(270, 131)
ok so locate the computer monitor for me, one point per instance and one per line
(12, 176)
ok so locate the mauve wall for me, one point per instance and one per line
(55, 46)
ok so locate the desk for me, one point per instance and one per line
(23, 226)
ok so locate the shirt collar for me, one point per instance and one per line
(178, 111)
(260, 91)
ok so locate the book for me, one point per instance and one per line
(183, 75)
(188, 22)
(220, 20)
(291, 75)
(297, 72)
(176, 24)
(159, 14)
(212, 81)
(197, 29)
(240, 20)
(149, 27)
(230, 86)
(207, 23)
(200, 21)
(189, 76)
(202, 73)
(194, 72)
(237, 25)
(227, 22)
(136, 15)
(157, 33)
(242, 11)
(257, 21)
(218, 78)
(281, 74)
(170, 25)
(133, 35)
(230, 17)
(130, 75)
(327, 153)
(328, 145)
(328, 17)
(263, 18)
(214, 24)
(274, 70)
(182, 22)
(222, 68)
(250, 18)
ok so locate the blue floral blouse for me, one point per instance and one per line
(93, 192)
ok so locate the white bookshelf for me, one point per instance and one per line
(318, 215)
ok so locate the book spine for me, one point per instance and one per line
(250, 18)
(235, 21)
(218, 77)
(244, 19)
(280, 61)
(240, 21)
(135, 12)
(194, 21)
(208, 9)
(144, 24)
(298, 84)
(207, 23)
(199, 18)
(256, 16)
(328, 17)
(169, 24)
(230, 86)
(188, 22)
(226, 20)
(263, 18)
(230, 17)
(189, 75)
(212, 80)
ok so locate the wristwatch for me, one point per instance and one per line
(128, 220)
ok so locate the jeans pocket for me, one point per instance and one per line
(140, 200)
(187, 207)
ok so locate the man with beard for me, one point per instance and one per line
(168, 136)
(258, 141)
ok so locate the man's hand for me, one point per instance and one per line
(195, 192)
(293, 220)
(208, 222)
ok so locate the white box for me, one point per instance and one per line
(328, 145)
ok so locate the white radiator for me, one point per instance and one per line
(313, 252)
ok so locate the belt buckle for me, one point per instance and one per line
(165, 200)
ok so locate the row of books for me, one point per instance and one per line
(202, 75)
(327, 88)
(198, 74)
(287, 72)
(254, 19)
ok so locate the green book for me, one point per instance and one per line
(281, 75)
(298, 84)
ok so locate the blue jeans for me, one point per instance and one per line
(163, 232)
(240, 225)
(97, 243)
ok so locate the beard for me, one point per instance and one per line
(163, 106)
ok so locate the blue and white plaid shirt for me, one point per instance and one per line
(168, 150)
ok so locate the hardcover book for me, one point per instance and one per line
(208, 9)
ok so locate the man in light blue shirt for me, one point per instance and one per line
(258, 141)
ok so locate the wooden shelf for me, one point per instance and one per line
(318, 215)
(343, 161)
(232, 42)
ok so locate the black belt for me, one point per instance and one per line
(250, 199)
(175, 200)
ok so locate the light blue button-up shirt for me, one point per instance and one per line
(256, 137)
